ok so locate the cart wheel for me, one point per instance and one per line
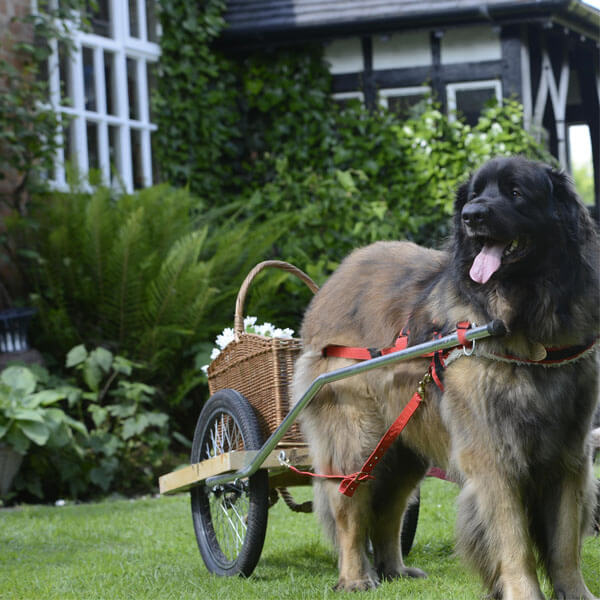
(230, 520)
(409, 525)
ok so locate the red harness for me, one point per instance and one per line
(349, 483)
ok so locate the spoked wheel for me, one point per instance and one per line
(230, 520)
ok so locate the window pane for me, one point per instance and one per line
(109, 82)
(113, 157)
(136, 158)
(410, 105)
(92, 145)
(67, 133)
(134, 20)
(132, 88)
(64, 69)
(99, 14)
(151, 21)
(89, 79)
(471, 102)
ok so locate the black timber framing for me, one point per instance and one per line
(512, 79)
(437, 75)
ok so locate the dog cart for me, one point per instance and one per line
(235, 475)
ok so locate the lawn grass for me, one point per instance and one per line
(146, 549)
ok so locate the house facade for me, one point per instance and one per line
(390, 53)
(394, 53)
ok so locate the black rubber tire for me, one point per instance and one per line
(409, 525)
(230, 521)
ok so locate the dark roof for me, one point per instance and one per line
(278, 19)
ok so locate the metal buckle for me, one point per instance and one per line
(421, 387)
(469, 351)
(284, 461)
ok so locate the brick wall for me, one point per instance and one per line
(9, 10)
(11, 31)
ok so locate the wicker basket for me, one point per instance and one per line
(260, 368)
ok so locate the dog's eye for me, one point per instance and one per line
(472, 195)
(516, 193)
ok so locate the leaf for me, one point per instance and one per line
(47, 397)
(28, 414)
(98, 413)
(36, 432)
(103, 358)
(92, 375)
(134, 426)
(17, 440)
(19, 378)
(76, 356)
(121, 410)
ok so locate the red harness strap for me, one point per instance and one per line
(350, 482)
(356, 353)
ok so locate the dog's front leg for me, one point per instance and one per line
(351, 517)
(565, 527)
(492, 532)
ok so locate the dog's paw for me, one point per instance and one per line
(413, 572)
(562, 594)
(355, 585)
(396, 573)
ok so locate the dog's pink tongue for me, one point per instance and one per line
(487, 262)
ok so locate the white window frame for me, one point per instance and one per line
(484, 84)
(385, 93)
(123, 46)
(349, 96)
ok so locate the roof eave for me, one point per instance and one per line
(569, 13)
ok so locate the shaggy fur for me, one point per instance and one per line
(515, 435)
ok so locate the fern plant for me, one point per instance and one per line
(147, 275)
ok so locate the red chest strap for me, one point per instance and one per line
(351, 482)
(356, 353)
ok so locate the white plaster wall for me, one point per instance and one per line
(401, 50)
(470, 44)
(344, 56)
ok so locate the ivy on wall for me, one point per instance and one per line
(195, 99)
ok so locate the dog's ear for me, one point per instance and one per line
(569, 207)
(462, 195)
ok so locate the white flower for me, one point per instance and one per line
(407, 130)
(496, 129)
(249, 322)
(266, 330)
(225, 338)
(283, 333)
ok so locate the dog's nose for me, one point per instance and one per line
(474, 214)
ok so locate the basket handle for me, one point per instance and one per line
(238, 323)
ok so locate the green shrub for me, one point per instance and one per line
(144, 275)
(110, 436)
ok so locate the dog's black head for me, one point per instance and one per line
(511, 217)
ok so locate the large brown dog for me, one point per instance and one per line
(513, 432)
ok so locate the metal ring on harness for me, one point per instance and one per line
(471, 349)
